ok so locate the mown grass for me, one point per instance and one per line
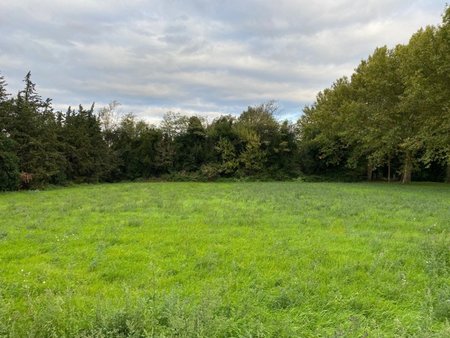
(226, 259)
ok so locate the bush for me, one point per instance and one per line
(9, 165)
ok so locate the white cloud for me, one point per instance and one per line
(197, 55)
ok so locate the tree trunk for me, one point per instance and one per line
(389, 170)
(369, 172)
(407, 168)
(447, 176)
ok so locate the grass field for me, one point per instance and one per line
(226, 259)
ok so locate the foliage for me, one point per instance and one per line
(392, 117)
(9, 164)
(390, 120)
(85, 150)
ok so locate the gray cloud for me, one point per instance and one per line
(201, 56)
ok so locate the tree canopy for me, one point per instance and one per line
(389, 120)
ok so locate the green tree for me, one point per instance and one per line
(9, 163)
(108, 118)
(3, 92)
(225, 141)
(371, 122)
(283, 160)
(33, 127)
(191, 146)
(85, 148)
(258, 131)
(136, 144)
(324, 131)
(436, 80)
(172, 126)
(418, 101)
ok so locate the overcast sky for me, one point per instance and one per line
(197, 56)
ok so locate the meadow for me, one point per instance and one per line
(252, 259)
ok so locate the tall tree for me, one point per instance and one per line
(3, 91)
(258, 129)
(372, 123)
(9, 163)
(324, 129)
(34, 130)
(225, 141)
(191, 146)
(418, 101)
(85, 148)
(436, 128)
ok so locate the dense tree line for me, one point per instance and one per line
(391, 117)
(390, 120)
(40, 146)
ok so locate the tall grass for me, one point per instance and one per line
(226, 260)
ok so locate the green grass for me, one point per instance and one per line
(226, 259)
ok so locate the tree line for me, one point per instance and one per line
(391, 117)
(390, 120)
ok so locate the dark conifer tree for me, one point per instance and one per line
(9, 163)
(85, 149)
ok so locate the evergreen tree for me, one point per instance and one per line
(9, 163)
(32, 127)
(191, 146)
(85, 148)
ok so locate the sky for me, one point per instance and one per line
(200, 57)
